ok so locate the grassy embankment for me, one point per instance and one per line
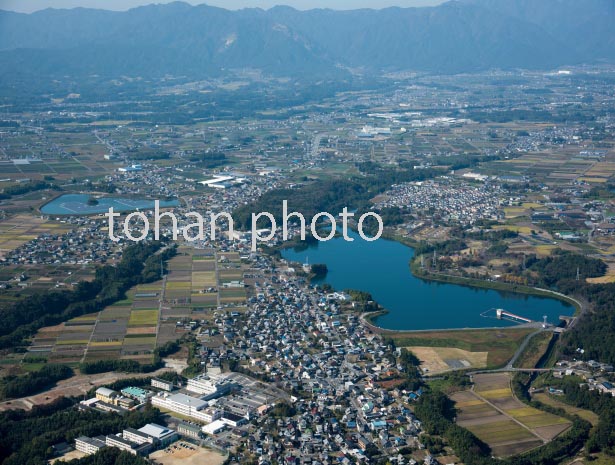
(500, 344)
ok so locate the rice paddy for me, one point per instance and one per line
(507, 425)
(19, 229)
(197, 283)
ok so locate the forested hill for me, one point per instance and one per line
(201, 41)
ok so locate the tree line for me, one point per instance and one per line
(19, 386)
(24, 188)
(130, 366)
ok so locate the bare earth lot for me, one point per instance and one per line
(187, 457)
(436, 360)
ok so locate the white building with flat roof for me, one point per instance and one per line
(185, 405)
(117, 441)
(162, 384)
(215, 427)
(136, 436)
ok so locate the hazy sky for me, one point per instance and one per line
(28, 6)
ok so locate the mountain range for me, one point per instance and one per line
(203, 41)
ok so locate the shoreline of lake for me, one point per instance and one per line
(403, 316)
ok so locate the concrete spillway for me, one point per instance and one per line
(503, 314)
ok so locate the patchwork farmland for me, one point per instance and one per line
(19, 229)
(497, 417)
(555, 169)
(197, 282)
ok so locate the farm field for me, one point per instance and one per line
(553, 402)
(196, 286)
(126, 329)
(19, 229)
(150, 315)
(507, 425)
(555, 168)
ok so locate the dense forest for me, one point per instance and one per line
(595, 330)
(31, 383)
(563, 265)
(138, 265)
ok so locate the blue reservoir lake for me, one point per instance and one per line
(77, 204)
(382, 269)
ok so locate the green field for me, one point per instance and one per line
(585, 414)
(143, 318)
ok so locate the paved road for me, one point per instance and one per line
(522, 347)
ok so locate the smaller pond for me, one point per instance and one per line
(77, 204)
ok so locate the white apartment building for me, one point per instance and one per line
(209, 385)
(88, 445)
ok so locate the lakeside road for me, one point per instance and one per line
(507, 368)
(501, 286)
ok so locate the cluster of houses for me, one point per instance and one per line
(597, 375)
(306, 341)
(86, 244)
(448, 200)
